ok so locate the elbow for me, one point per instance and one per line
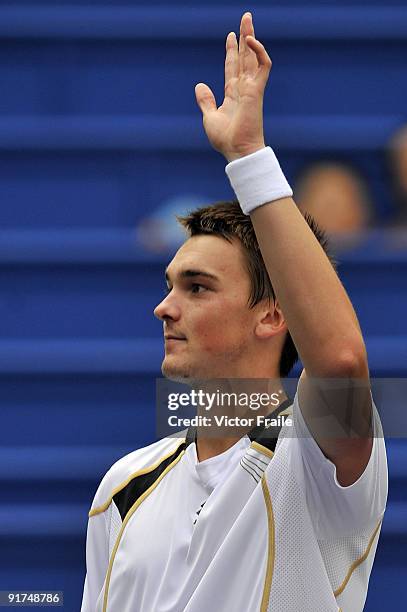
(350, 362)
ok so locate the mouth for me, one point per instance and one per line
(172, 337)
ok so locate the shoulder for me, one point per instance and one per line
(337, 508)
(126, 468)
(286, 425)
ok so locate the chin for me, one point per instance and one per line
(186, 375)
(174, 373)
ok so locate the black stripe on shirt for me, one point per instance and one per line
(246, 469)
(128, 496)
(255, 468)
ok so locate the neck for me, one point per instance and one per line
(235, 421)
(207, 448)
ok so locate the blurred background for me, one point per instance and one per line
(101, 144)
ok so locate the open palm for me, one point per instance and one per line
(235, 128)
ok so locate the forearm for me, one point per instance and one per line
(316, 308)
(315, 305)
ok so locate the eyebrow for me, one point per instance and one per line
(192, 274)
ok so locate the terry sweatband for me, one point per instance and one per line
(257, 179)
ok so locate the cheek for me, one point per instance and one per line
(217, 330)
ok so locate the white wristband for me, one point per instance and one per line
(257, 179)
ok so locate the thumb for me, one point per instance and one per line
(205, 98)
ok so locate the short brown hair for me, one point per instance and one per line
(226, 219)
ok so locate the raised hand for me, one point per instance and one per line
(235, 129)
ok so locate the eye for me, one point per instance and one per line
(196, 288)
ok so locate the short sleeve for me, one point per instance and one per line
(97, 560)
(335, 509)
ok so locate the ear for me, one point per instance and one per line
(270, 320)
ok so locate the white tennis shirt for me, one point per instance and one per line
(248, 530)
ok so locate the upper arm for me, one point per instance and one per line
(338, 413)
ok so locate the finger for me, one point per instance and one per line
(242, 42)
(231, 64)
(205, 98)
(247, 59)
(250, 26)
(262, 57)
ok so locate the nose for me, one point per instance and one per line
(168, 309)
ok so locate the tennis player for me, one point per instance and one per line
(283, 518)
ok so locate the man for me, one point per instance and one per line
(337, 196)
(397, 166)
(249, 522)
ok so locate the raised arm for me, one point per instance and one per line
(316, 307)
